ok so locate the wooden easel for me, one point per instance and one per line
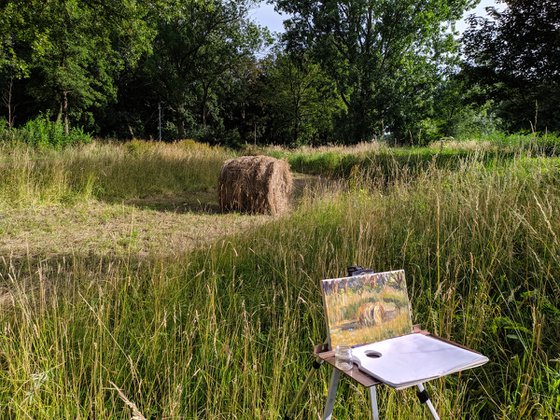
(407, 341)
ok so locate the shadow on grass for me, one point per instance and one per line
(201, 202)
(206, 202)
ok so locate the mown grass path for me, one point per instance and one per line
(100, 228)
(162, 225)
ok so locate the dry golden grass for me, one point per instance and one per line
(100, 228)
(463, 145)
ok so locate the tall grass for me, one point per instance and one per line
(388, 162)
(226, 332)
(106, 171)
(447, 153)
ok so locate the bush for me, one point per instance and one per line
(138, 147)
(472, 123)
(44, 133)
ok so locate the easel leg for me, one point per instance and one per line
(332, 395)
(424, 398)
(316, 365)
(373, 401)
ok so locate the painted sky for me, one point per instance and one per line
(266, 16)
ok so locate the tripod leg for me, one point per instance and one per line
(332, 395)
(373, 401)
(316, 365)
(424, 398)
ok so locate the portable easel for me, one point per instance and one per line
(370, 318)
(322, 354)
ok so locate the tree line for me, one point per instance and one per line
(342, 72)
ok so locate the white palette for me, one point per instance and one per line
(412, 359)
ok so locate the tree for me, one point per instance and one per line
(15, 53)
(385, 56)
(302, 102)
(198, 52)
(515, 55)
(73, 49)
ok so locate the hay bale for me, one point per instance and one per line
(255, 184)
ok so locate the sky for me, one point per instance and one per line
(266, 16)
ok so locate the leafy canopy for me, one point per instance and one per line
(515, 54)
(73, 49)
(386, 57)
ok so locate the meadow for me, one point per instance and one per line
(125, 291)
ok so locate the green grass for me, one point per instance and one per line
(390, 163)
(110, 172)
(226, 331)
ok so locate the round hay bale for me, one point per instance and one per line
(255, 184)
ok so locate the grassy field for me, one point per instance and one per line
(222, 327)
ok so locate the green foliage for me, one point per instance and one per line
(515, 55)
(302, 101)
(73, 50)
(14, 60)
(42, 132)
(343, 72)
(202, 53)
(472, 122)
(385, 57)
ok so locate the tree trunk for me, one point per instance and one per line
(204, 99)
(181, 128)
(9, 103)
(65, 112)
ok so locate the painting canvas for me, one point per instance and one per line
(366, 308)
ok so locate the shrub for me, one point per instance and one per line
(44, 133)
(194, 146)
(138, 147)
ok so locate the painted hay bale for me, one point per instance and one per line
(376, 313)
(255, 184)
(370, 314)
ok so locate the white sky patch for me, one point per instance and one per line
(479, 10)
(265, 15)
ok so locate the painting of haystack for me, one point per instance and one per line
(366, 308)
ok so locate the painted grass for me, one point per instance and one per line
(398, 326)
(225, 331)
